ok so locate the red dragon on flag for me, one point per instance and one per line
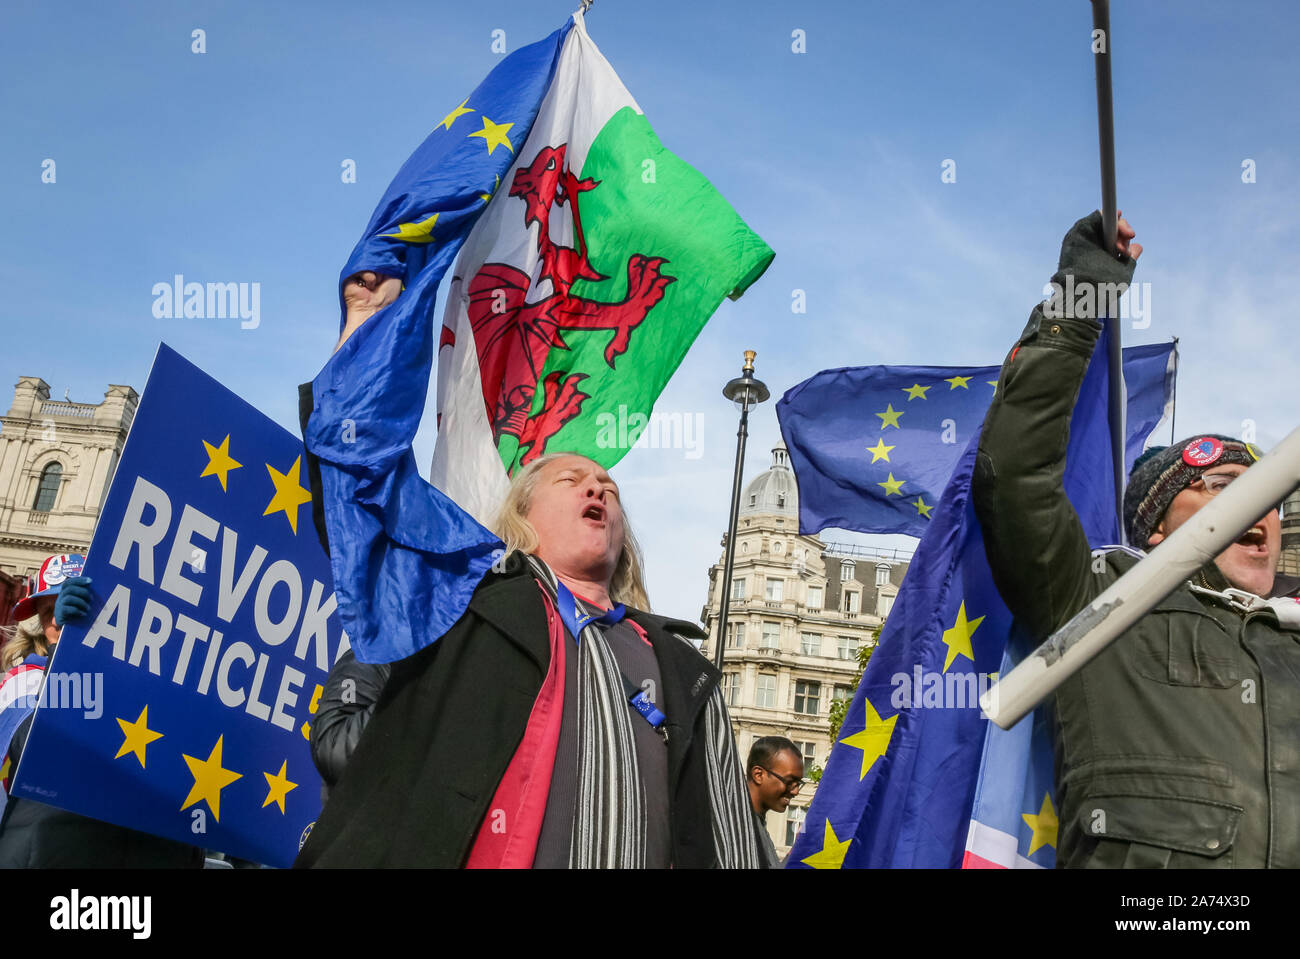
(513, 336)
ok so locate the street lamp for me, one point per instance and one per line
(745, 391)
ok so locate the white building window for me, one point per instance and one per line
(852, 602)
(794, 822)
(738, 587)
(765, 692)
(737, 638)
(811, 644)
(886, 604)
(775, 590)
(731, 687)
(846, 570)
(848, 648)
(771, 636)
(807, 697)
(814, 597)
(882, 574)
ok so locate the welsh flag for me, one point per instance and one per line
(589, 259)
(594, 266)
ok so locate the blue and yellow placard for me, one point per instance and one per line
(182, 705)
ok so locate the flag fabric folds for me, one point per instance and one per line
(900, 783)
(873, 447)
(596, 264)
(406, 559)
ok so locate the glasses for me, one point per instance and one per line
(792, 783)
(1216, 483)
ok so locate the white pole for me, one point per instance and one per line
(1204, 536)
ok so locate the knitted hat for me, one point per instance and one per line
(1162, 472)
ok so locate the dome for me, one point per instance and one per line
(774, 490)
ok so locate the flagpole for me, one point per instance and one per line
(744, 391)
(1203, 536)
(1173, 402)
(1101, 47)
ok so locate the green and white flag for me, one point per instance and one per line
(597, 262)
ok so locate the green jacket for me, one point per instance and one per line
(1179, 745)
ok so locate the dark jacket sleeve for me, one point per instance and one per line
(345, 708)
(1034, 540)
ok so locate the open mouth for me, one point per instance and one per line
(1254, 540)
(594, 512)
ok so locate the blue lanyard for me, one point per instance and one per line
(575, 621)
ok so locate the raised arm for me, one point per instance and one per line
(1035, 543)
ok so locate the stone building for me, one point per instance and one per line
(57, 458)
(1291, 534)
(800, 609)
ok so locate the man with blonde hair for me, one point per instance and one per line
(555, 723)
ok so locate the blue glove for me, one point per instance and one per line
(73, 603)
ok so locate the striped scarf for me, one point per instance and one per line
(609, 829)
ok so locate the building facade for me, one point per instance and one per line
(1290, 562)
(799, 611)
(57, 458)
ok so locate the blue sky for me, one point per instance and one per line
(225, 167)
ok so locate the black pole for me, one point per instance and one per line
(1101, 46)
(1173, 402)
(746, 391)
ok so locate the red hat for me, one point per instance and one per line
(47, 581)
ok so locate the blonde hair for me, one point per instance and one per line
(627, 585)
(23, 639)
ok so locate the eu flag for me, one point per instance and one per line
(873, 447)
(406, 559)
(900, 782)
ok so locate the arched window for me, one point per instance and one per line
(48, 488)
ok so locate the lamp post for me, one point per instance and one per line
(745, 391)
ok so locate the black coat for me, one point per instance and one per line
(449, 721)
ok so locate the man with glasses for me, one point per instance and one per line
(1176, 747)
(774, 776)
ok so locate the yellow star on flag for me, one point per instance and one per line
(450, 118)
(289, 494)
(832, 853)
(495, 135)
(219, 462)
(958, 637)
(486, 197)
(138, 736)
(994, 384)
(922, 507)
(873, 739)
(890, 417)
(880, 451)
(892, 486)
(278, 786)
(421, 232)
(1044, 826)
(956, 381)
(209, 779)
(914, 391)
